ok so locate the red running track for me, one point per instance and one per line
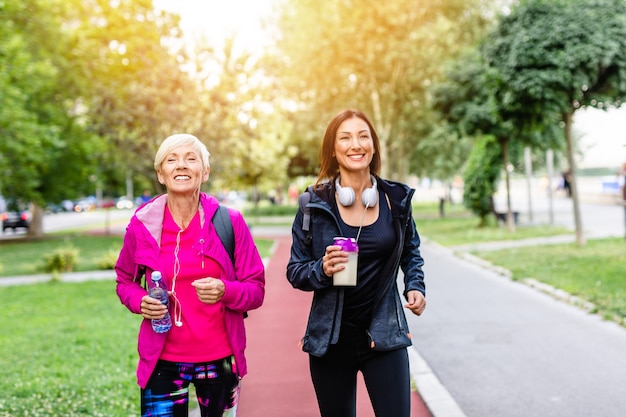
(278, 382)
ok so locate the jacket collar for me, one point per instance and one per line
(151, 214)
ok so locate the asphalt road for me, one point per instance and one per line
(503, 349)
(107, 219)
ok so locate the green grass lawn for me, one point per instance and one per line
(595, 272)
(67, 350)
(459, 227)
(24, 257)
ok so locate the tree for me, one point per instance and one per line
(132, 90)
(377, 56)
(43, 148)
(474, 100)
(481, 175)
(93, 87)
(238, 116)
(557, 56)
(146, 84)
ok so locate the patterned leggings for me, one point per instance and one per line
(167, 391)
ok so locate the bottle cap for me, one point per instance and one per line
(348, 244)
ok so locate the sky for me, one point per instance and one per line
(602, 137)
(217, 19)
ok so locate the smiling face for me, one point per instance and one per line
(354, 146)
(182, 170)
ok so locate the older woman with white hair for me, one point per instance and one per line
(208, 294)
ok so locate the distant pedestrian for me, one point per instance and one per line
(173, 233)
(567, 182)
(360, 328)
(145, 197)
(293, 194)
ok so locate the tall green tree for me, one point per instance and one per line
(146, 83)
(557, 56)
(92, 87)
(43, 146)
(481, 174)
(475, 101)
(133, 91)
(377, 56)
(239, 114)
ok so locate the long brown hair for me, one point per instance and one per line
(329, 167)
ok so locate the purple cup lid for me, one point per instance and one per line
(348, 244)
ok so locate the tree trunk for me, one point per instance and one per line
(567, 118)
(35, 229)
(529, 173)
(510, 221)
(383, 134)
(550, 168)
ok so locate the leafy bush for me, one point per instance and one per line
(61, 260)
(481, 174)
(108, 260)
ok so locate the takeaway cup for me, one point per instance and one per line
(347, 276)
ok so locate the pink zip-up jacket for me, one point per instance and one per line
(245, 283)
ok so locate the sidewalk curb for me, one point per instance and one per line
(436, 397)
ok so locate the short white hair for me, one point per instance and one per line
(177, 140)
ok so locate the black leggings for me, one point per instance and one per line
(386, 376)
(167, 392)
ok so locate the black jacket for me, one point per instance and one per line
(389, 329)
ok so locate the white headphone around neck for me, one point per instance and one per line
(346, 195)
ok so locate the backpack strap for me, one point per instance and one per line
(303, 200)
(140, 274)
(224, 228)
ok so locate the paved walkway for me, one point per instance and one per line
(502, 348)
(278, 383)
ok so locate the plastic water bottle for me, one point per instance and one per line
(159, 292)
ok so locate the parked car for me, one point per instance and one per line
(15, 217)
(106, 203)
(86, 204)
(124, 203)
(68, 205)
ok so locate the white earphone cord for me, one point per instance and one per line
(362, 219)
(177, 307)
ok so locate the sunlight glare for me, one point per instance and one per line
(217, 20)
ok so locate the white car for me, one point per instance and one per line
(124, 203)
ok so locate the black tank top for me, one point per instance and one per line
(376, 244)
